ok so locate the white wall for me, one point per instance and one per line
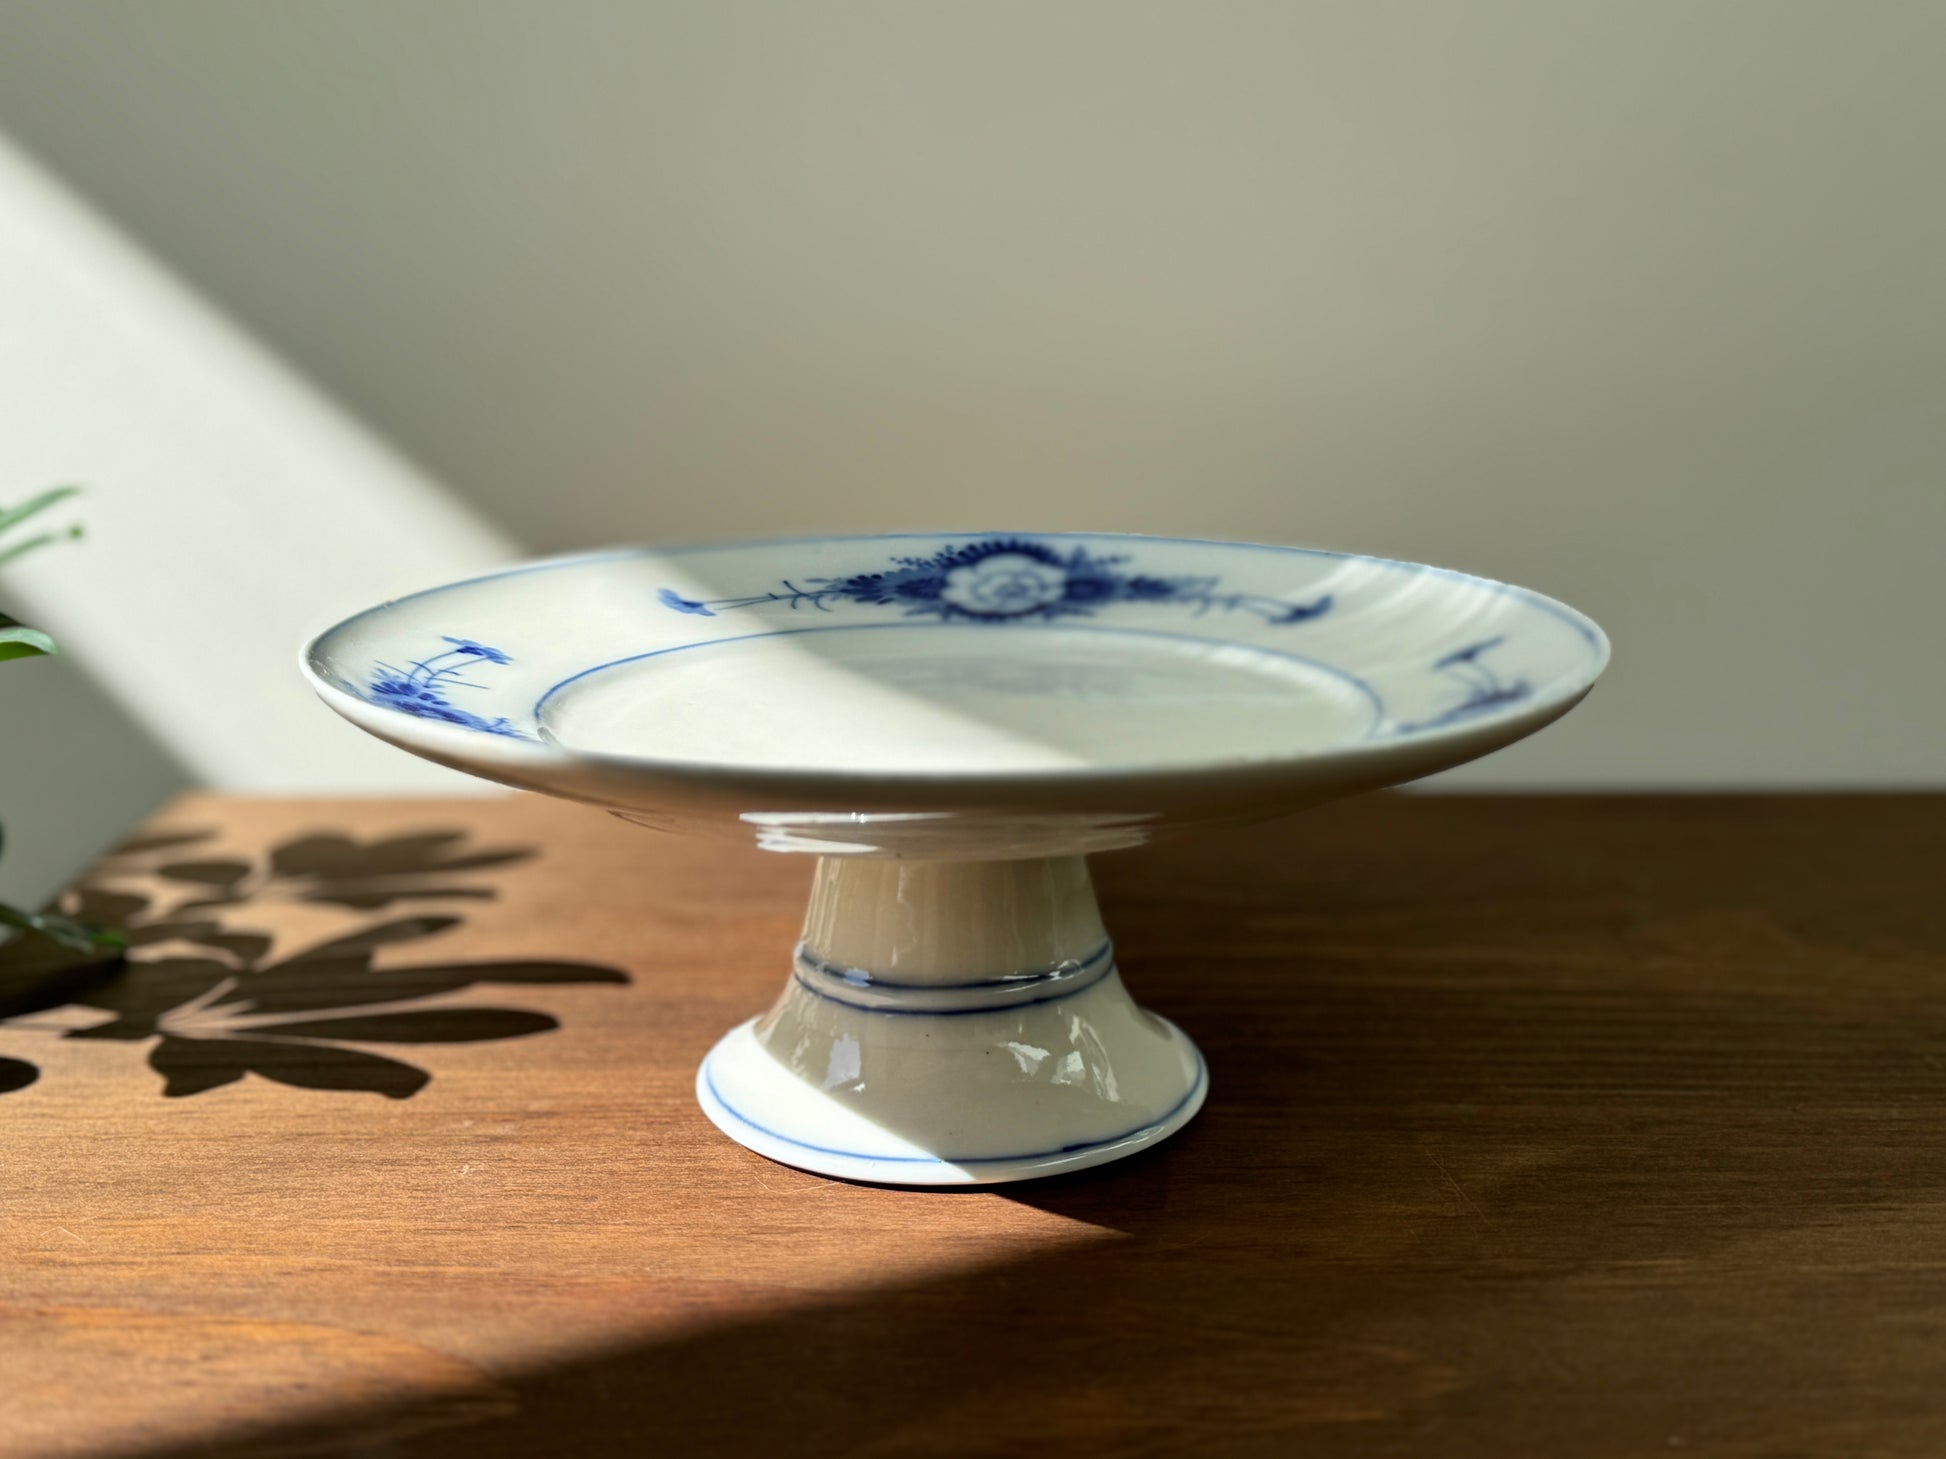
(76, 772)
(235, 513)
(1640, 303)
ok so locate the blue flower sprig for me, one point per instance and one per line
(422, 688)
(1485, 689)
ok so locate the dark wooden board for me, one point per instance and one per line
(1555, 1127)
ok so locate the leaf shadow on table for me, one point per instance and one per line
(214, 1001)
(1473, 1180)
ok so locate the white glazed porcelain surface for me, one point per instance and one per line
(973, 695)
(952, 722)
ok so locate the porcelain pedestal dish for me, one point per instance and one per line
(952, 724)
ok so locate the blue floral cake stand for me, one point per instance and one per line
(952, 724)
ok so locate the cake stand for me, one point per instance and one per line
(952, 723)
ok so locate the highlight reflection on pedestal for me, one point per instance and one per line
(952, 1023)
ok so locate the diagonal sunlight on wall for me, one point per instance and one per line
(1633, 304)
(232, 511)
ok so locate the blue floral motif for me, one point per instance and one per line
(673, 599)
(1486, 691)
(1008, 579)
(470, 649)
(421, 689)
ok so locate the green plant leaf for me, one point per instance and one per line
(69, 933)
(21, 549)
(11, 517)
(18, 641)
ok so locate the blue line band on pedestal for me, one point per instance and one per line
(863, 978)
(1080, 982)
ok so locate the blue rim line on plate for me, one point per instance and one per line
(514, 749)
(1344, 675)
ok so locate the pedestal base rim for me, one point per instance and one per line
(748, 1130)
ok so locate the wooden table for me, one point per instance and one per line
(1579, 1127)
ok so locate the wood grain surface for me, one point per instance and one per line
(1555, 1127)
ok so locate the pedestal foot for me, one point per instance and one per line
(952, 1023)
